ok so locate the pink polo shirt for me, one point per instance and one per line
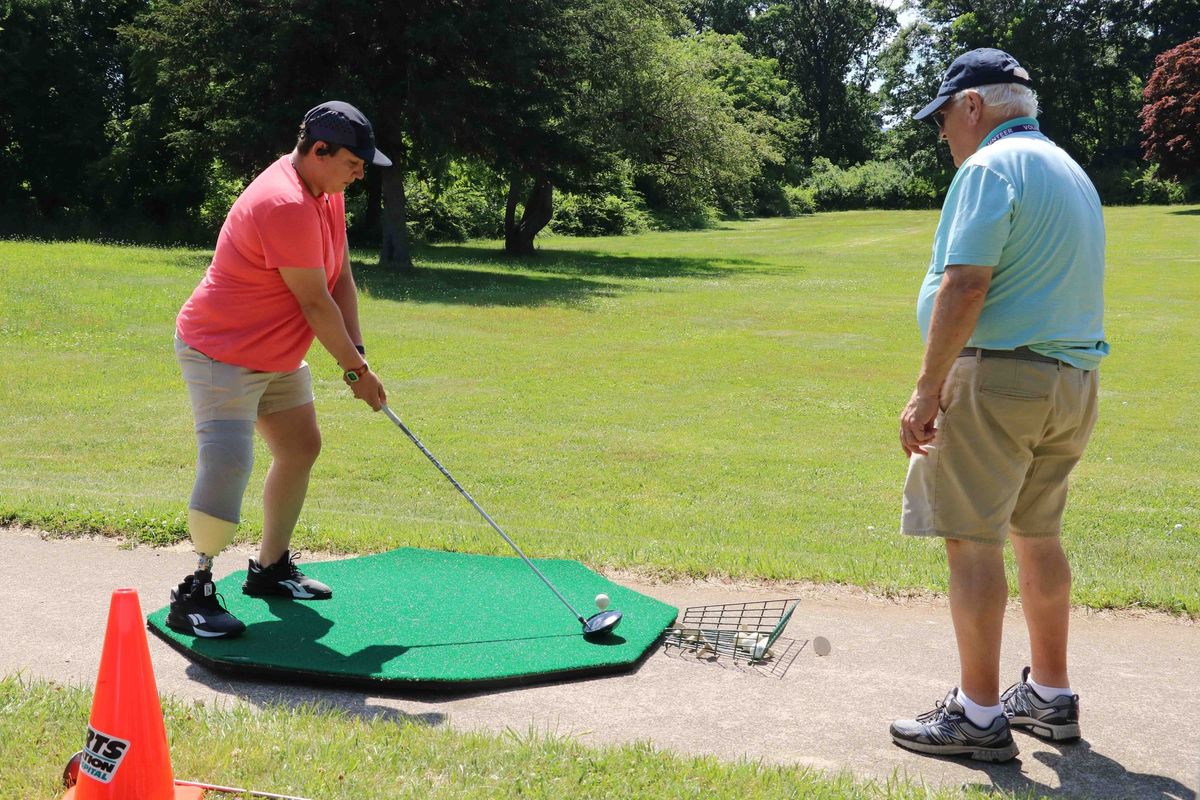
(242, 312)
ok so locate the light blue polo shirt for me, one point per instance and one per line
(1021, 205)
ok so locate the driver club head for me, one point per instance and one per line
(600, 625)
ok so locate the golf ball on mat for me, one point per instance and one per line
(601, 601)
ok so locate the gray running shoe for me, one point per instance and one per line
(946, 731)
(1056, 719)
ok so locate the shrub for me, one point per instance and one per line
(692, 219)
(598, 215)
(874, 184)
(465, 208)
(1153, 189)
(221, 187)
(1132, 183)
(800, 200)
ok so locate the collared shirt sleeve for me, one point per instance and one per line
(981, 207)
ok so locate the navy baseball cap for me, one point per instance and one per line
(341, 123)
(982, 67)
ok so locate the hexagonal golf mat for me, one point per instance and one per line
(414, 619)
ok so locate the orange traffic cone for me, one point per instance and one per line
(125, 756)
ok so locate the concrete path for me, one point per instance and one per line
(1138, 676)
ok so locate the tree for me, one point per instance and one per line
(827, 50)
(62, 91)
(912, 66)
(1087, 58)
(1171, 112)
(527, 88)
(694, 127)
(587, 87)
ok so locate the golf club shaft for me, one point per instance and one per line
(392, 416)
(233, 790)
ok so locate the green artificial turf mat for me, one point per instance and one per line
(425, 619)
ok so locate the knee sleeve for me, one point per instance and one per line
(225, 458)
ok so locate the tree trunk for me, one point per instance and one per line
(510, 214)
(394, 251)
(539, 208)
(374, 202)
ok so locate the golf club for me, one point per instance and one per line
(594, 626)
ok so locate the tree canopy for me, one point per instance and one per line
(143, 118)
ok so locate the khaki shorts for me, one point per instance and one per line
(224, 391)
(1009, 434)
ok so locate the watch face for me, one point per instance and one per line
(352, 376)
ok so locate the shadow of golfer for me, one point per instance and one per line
(295, 637)
(1082, 773)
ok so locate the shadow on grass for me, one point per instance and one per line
(483, 276)
(476, 287)
(584, 262)
(486, 276)
(1187, 212)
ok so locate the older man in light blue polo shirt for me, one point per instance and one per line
(1012, 314)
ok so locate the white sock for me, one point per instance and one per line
(1048, 692)
(980, 716)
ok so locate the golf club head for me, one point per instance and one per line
(599, 625)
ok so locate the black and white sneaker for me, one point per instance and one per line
(946, 731)
(1056, 719)
(197, 610)
(283, 578)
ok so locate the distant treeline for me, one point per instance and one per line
(141, 120)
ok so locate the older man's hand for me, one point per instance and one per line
(916, 423)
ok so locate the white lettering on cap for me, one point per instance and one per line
(1021, 73)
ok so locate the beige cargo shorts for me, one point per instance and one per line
(1009, 433)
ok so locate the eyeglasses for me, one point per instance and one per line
(939, 116)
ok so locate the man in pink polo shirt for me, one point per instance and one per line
(280, 277)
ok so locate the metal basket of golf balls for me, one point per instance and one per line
(741, 634)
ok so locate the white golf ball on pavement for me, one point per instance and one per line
(601, 601)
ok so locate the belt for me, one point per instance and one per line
(1020, 354)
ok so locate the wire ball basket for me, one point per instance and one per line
(742, 635)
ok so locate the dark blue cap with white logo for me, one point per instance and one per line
(341, 123)
(982, 67)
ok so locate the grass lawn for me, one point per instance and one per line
(317, 753)
(718, 402)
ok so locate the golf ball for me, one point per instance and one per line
(601, 601)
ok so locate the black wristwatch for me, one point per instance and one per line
(362, 351)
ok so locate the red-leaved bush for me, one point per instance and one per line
(1171, 112)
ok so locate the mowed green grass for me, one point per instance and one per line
(710, 403)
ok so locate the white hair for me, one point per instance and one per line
(1012, 99)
